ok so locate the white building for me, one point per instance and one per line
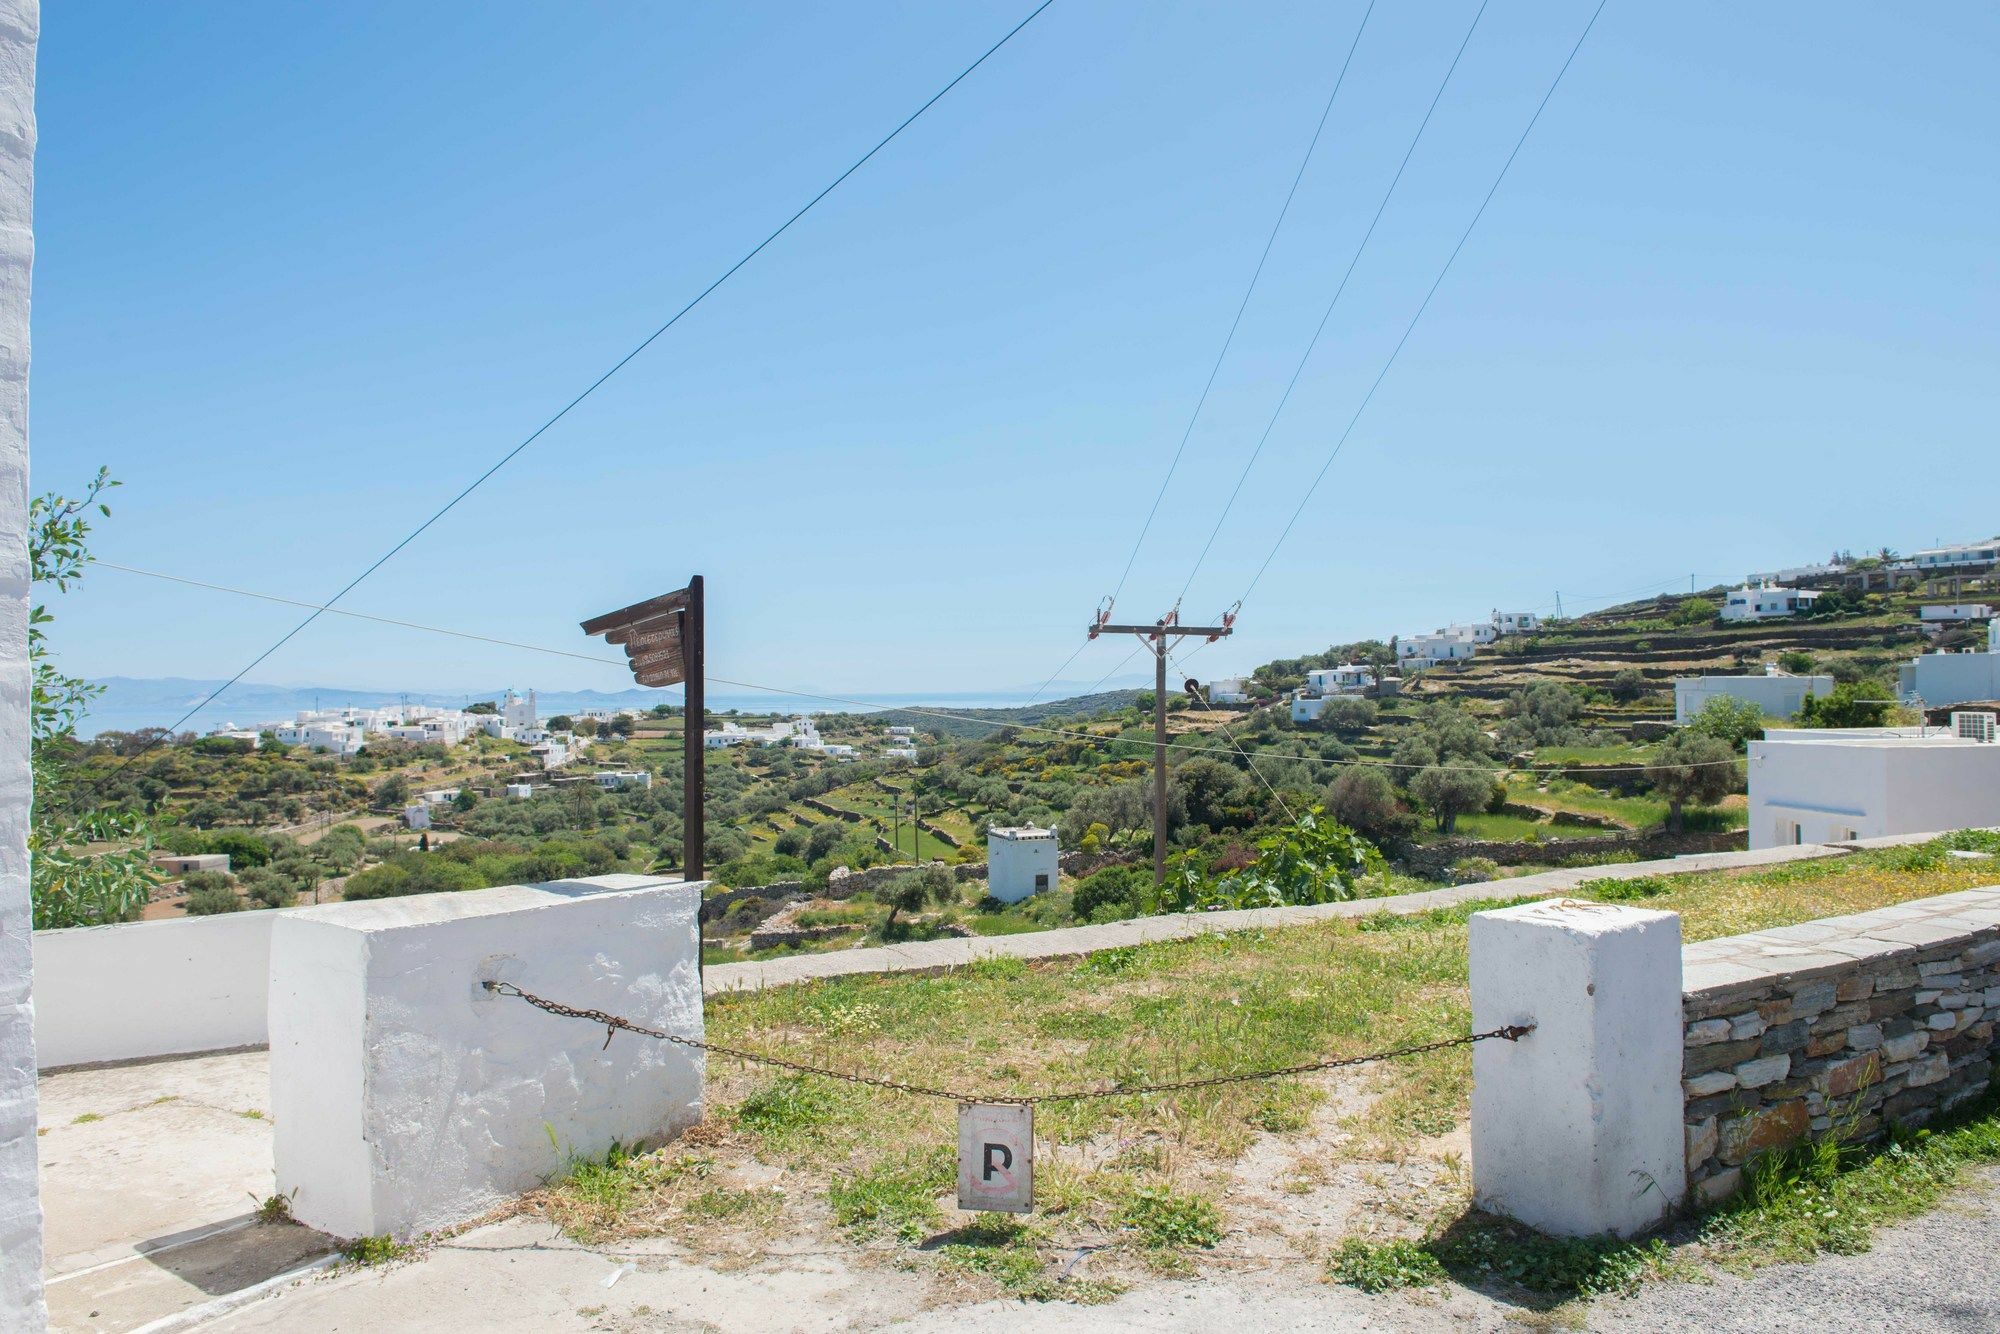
(330, 736)
(1767, 602)
(417, 817)
(518, 713)
(1949, 612)
(553, 753)
(1778, 694)
(1964, 555)
(438, 796)
(243, 734)
(903, 731)
(900, 753)
(520, 791)
(1350, 678)
(1798, 574)
(1228, 690)
(1020, 861)
(1516, 622)
(618, 780)
(1943, 679)
(1416, 652)
(1828, 785)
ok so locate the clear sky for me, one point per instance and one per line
(303, 271)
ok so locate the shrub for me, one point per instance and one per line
(211, 900)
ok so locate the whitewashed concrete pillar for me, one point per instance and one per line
(21, 1304)
(1576, 1128)
(407, 1098)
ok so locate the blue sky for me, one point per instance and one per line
(303, 271)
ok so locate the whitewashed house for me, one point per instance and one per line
(1349, 678)
(1940, 680)
(1834, 785)
(1767, 602)
(1963, 556)
(417, 816)
(1947, 613)
(330, 736)
(1021, 860)
(618, 780)
(520, 791)
(1516, 622)
(1416, 652)
(1227, 690)
(1778, 694)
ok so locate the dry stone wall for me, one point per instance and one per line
(1842, 1026)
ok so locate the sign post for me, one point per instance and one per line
(664, 640)
(996, 1157)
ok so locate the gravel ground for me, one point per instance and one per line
(1932, 1274)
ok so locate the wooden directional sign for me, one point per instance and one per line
(653, 634)
(662, 638)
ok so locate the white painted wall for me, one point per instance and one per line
(1576, 1128)
(21, 1304)
(406, 1098)
(1943, 679)
(1777, 696)
(1825, 788)
(121, 993)
(1016, 857)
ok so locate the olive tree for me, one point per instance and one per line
(1692, 769)
(1448, 791)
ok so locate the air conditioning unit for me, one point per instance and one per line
(1973, 726)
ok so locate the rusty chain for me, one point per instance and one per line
(613, 1024)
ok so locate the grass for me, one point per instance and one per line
(1149, 1173)
(1813, 1199)
(897, 1197)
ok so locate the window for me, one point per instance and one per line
(1041, 881)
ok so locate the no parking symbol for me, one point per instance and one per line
(996, 1157)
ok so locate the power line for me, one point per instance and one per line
(616, 367)
(1228, 341)
(1243, 305)
(1338, 292)
(1423, 306)
(871, 706)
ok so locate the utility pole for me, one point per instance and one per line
(1156, 637)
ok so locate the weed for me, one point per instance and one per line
(788, 1109)
(374, 1250)
(1383, 1266)
(898, 1197)
(86, 1118)
(1008, 1253)
(1627, 891)
(251, 1114)
(1165, 1218)
(275, 1208)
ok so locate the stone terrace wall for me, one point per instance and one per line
(1850, 1023)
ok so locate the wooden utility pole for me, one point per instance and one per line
(1157, 637)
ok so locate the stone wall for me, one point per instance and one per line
(1845, 1025)
(1434, 860)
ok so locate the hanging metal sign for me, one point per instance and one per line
(996, 1157)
